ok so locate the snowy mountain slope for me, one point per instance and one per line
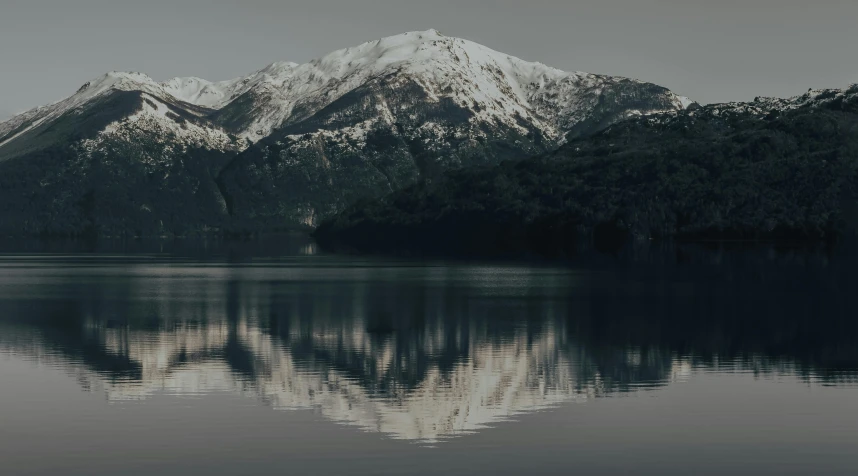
(164, 115)
(216, 95)
(200, 91)
(493, 85)
(18, 126)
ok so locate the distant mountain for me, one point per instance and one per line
(766, 169)
(112, 107)
(120, 156)
(128, 155)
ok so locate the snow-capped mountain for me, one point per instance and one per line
(120, 147)
(356, 123)
(115, 106)
(489, 84)
(367, 120)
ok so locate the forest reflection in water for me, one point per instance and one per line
(422, 351)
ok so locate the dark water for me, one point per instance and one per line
(272, 358)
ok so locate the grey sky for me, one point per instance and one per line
(709, 50)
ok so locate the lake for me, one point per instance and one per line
(273, 357)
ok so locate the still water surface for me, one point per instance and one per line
(263, 359)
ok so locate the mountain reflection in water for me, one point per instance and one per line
(417, 351)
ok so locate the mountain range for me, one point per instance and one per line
(291, 145)
(771, 169)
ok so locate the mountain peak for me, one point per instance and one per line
(114, 80)
(425, 33)
(427, 51)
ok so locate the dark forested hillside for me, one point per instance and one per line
(726, 171)
(59, 191)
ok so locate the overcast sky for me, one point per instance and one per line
(710, 50)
